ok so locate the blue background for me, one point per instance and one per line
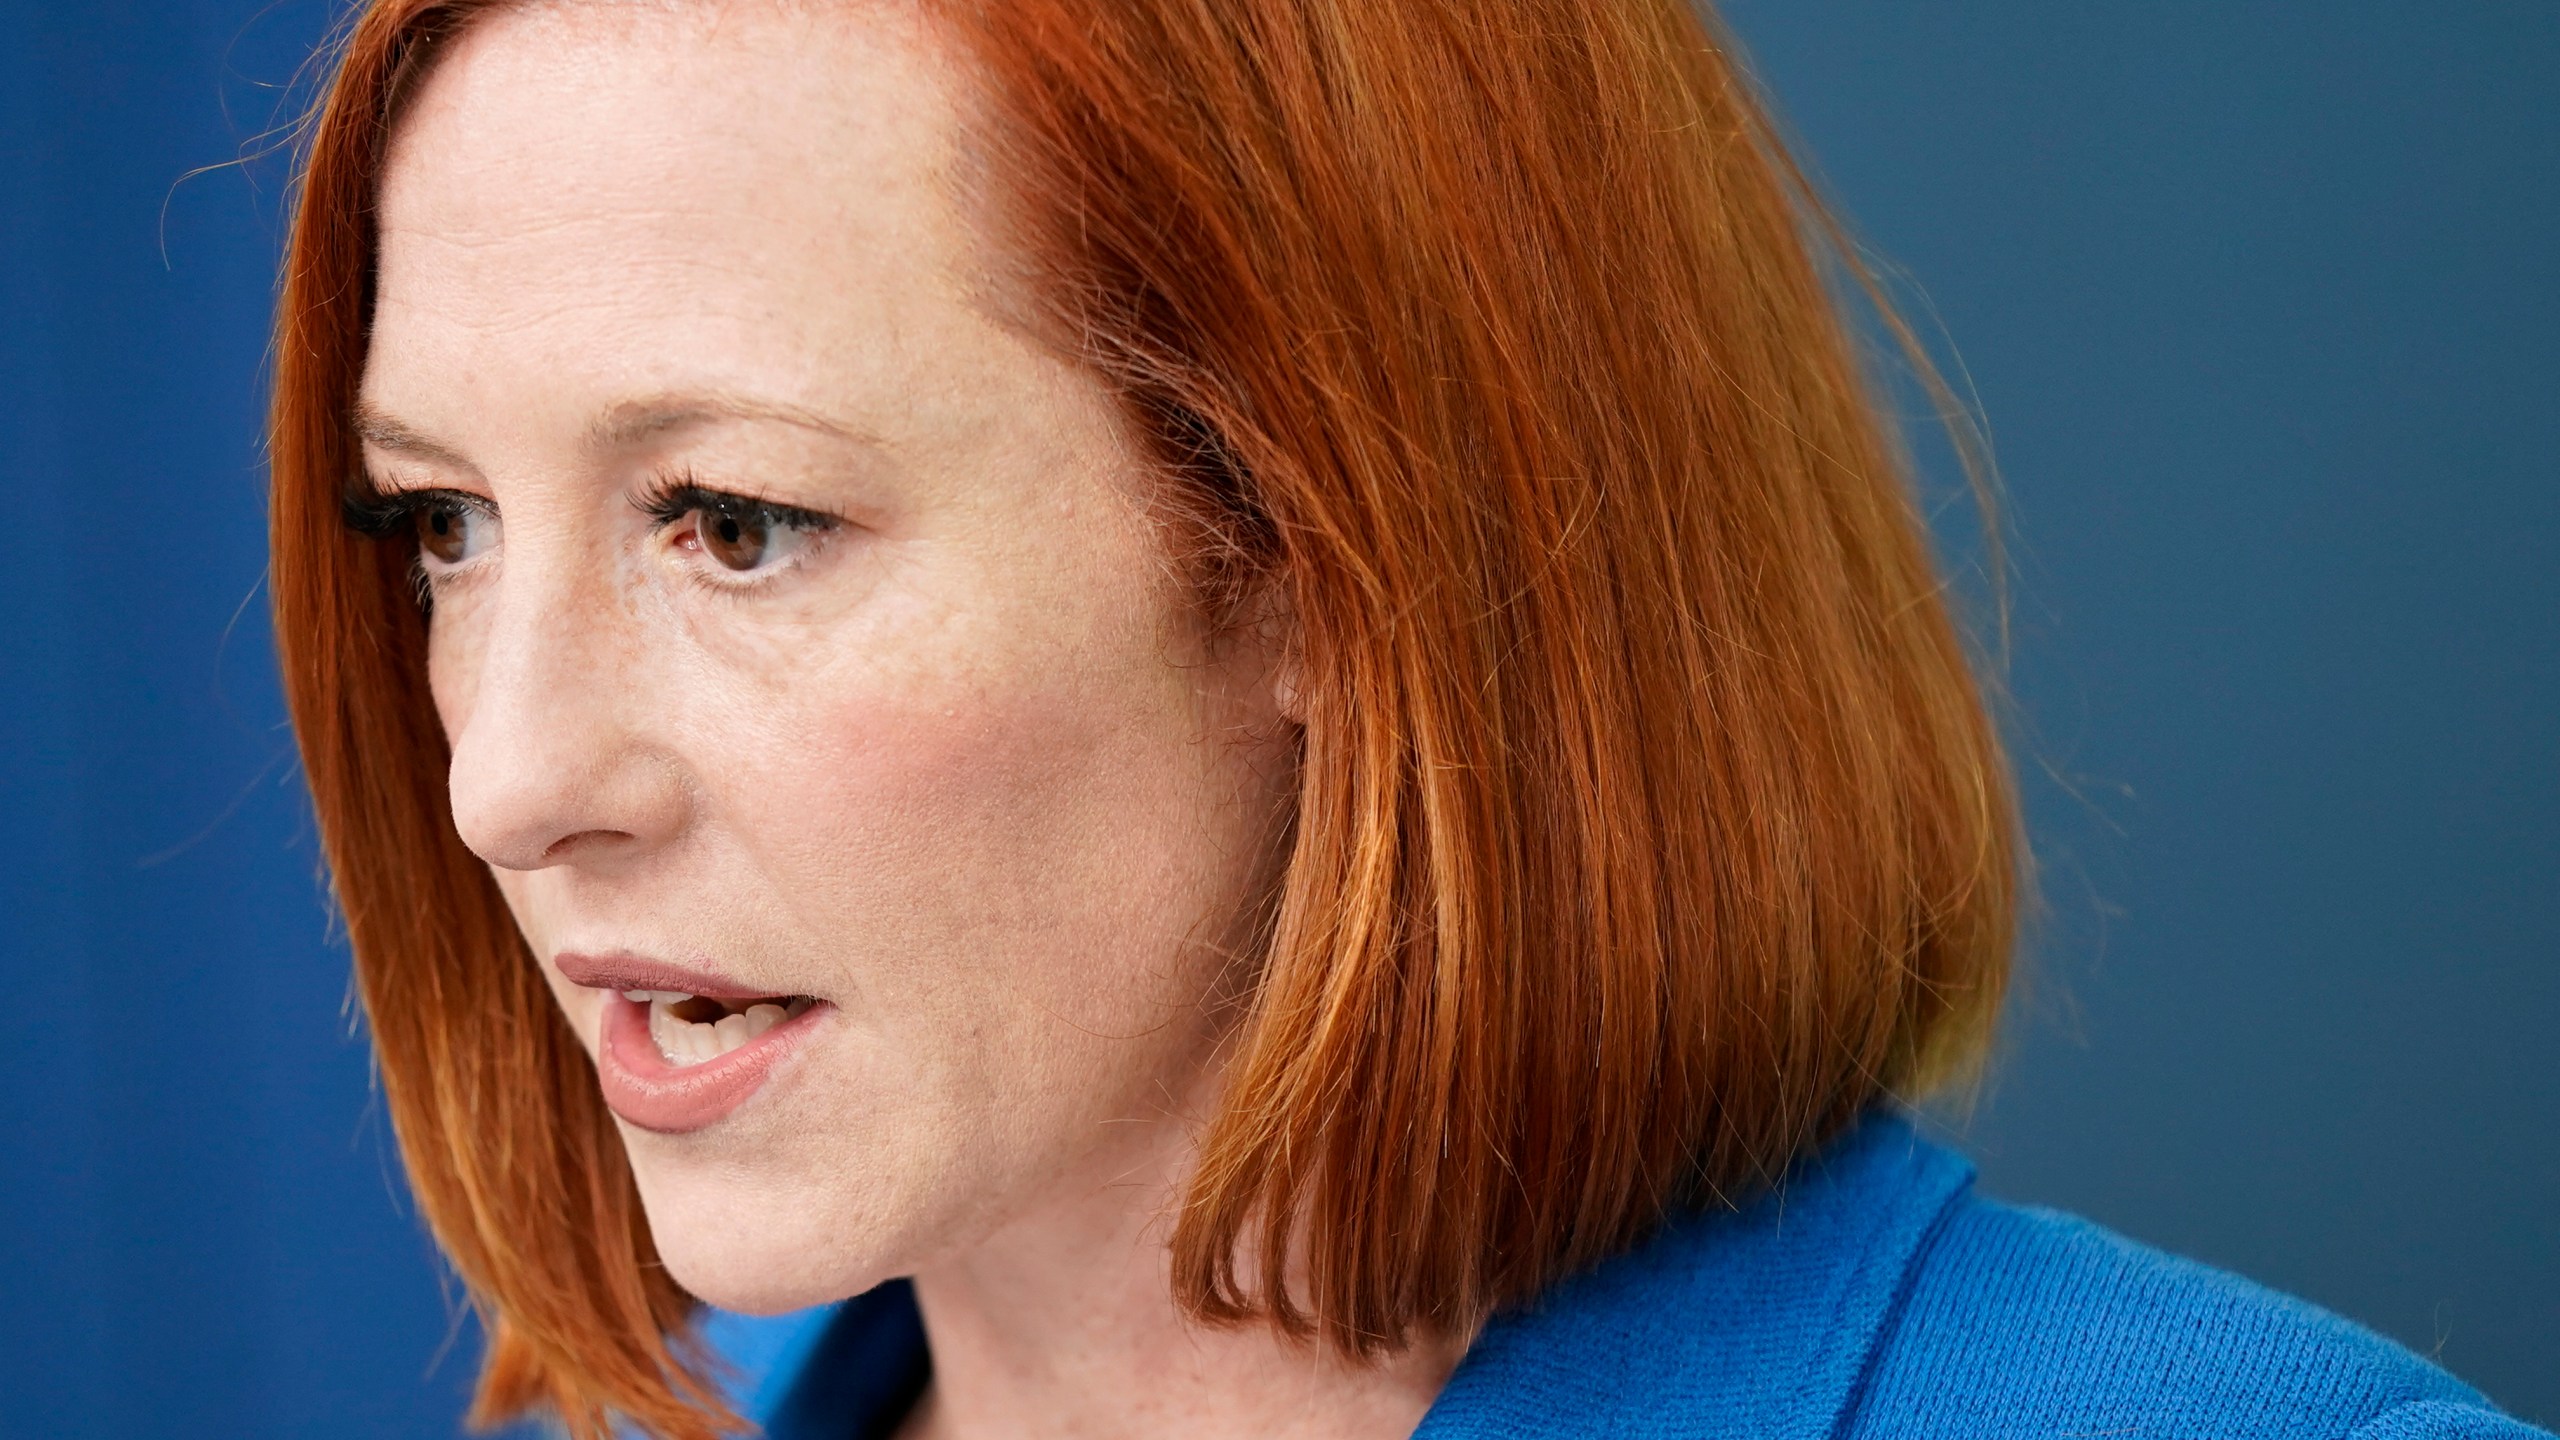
(2262, 301)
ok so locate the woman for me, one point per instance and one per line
(1231, 710)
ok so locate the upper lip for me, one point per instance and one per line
(621, 971)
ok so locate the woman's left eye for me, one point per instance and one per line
(737, 542)
(739, 536)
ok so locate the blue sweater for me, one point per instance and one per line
(1873, 1295)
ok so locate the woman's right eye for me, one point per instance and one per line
(452, 530)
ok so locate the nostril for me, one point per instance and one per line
(568, 845)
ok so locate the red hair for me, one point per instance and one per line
(1650, 825)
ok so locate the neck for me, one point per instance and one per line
(1063, 1324)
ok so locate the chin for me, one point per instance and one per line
(750, 1291)
(757, 1247)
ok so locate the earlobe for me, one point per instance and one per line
(1277, 637)
(1285, 693)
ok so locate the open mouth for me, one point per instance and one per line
(694, 1029)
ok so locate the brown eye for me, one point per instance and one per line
(737, 541)
(742, 540)
(445, 531)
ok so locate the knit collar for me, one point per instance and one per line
(1759, 1321)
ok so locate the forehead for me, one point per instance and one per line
(636, 193)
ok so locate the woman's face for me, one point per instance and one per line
(800, 641)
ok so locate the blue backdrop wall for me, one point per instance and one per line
(2263, 303)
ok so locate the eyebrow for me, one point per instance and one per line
(634, 421)
(619, 427)
(383, 430)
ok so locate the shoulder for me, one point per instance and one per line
(2027, 1322)
(1872, 1295)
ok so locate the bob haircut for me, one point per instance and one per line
(1650, 824)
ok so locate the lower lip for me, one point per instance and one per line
(645, 1088)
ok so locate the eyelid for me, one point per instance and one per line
(384, 512)
(670, 498)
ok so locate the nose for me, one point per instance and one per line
(553, 761)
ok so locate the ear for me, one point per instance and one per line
(1285, 695)
(1272, 630)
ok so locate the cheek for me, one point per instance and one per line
(1039, 843)
(1009, 867)
(1003, 875)
(454, 647)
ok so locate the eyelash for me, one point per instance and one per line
(380, 514)
(670, 498)
(386, 514)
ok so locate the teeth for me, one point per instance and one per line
(639, 997)
(686, 1042)
(667, 1031)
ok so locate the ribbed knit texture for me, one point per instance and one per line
(2030, 1323)
(1872, 1296)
